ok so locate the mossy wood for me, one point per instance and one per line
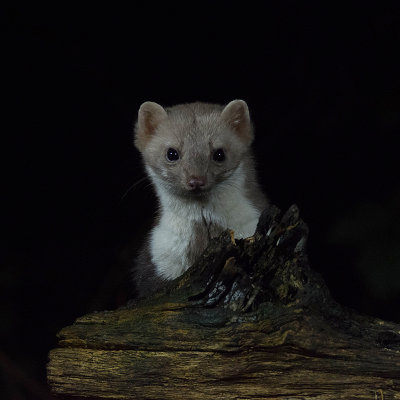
(250, 320)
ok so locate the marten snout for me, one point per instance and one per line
(196, 182)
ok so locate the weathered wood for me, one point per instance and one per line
(250, 320)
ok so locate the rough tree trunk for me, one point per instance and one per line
(250, 320)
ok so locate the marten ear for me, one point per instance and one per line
(236, 115)
(150, 115)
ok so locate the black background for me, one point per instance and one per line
(322, 84)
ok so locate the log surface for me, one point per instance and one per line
(250, 320)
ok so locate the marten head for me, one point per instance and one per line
(191, 148)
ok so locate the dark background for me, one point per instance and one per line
(322, 83)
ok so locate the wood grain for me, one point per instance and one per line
(250, 320)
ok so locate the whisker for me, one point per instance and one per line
(133, 186)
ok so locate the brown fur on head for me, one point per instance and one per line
(209, 143)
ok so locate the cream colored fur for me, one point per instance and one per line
(171, 240)
(230, 197)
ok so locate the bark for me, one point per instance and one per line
(250, 320)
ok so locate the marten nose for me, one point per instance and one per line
(197, 182)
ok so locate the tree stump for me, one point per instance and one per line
(250, 320)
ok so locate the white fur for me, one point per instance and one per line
(227, 207)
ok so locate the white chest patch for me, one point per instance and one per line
(185, 226)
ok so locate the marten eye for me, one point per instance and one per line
(219, 155)
(172, 154)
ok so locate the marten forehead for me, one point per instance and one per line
(196, 115)
(194, 126)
